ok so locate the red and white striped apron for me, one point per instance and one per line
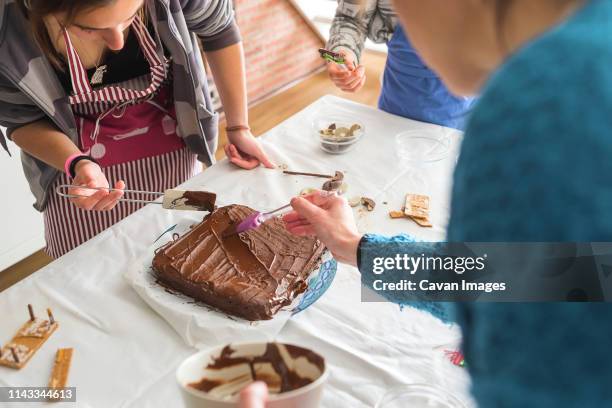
(130, 129)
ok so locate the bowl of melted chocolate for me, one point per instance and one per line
(214, 378)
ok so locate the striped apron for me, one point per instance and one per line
(130, 129)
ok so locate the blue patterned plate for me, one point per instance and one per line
(317, 285)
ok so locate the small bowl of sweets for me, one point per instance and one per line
(337, 134)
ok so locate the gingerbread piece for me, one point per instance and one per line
(423, 222)
(14, 353)
(28, 339)
(61, 369)
(37, 328)
(418, 200)
(417, 206)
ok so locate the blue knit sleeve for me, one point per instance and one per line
(535, 167)
(376, 246)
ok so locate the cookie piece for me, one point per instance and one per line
(368, 203)
(417, 206)
(423, 222)
(28, 339)
(61, 369)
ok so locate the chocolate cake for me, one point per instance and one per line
(250, 275)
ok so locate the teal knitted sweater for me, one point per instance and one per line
(536, 165)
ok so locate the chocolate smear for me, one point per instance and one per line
(203, 200)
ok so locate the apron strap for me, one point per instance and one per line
(146, 43)
(78, 75)
(84, 93)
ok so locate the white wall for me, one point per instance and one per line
(21, 226)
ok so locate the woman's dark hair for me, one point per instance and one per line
(37, 10)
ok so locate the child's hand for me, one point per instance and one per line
(348, 80)
(89, 174)
(245, 151)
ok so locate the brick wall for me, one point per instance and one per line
(280, 46)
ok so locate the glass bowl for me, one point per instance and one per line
(337, 134)
(418, 396)
(421, 146)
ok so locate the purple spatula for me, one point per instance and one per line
(252, 221)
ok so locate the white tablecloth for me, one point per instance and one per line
(126, 354)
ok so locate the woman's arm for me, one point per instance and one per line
(331, 219)
(227, 65)
(43, 141)
(228, 69)
(213, 21)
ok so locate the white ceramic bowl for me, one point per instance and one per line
(194, 369)
(332, 144)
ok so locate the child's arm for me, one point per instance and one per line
(349, 28)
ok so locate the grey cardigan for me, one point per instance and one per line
(31, 91)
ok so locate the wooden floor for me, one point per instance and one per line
(271, 112)
(263, 117)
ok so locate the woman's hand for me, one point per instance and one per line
(349, 80)
(89, 174)
(245, 151)
(254, 395)
(330, 218)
